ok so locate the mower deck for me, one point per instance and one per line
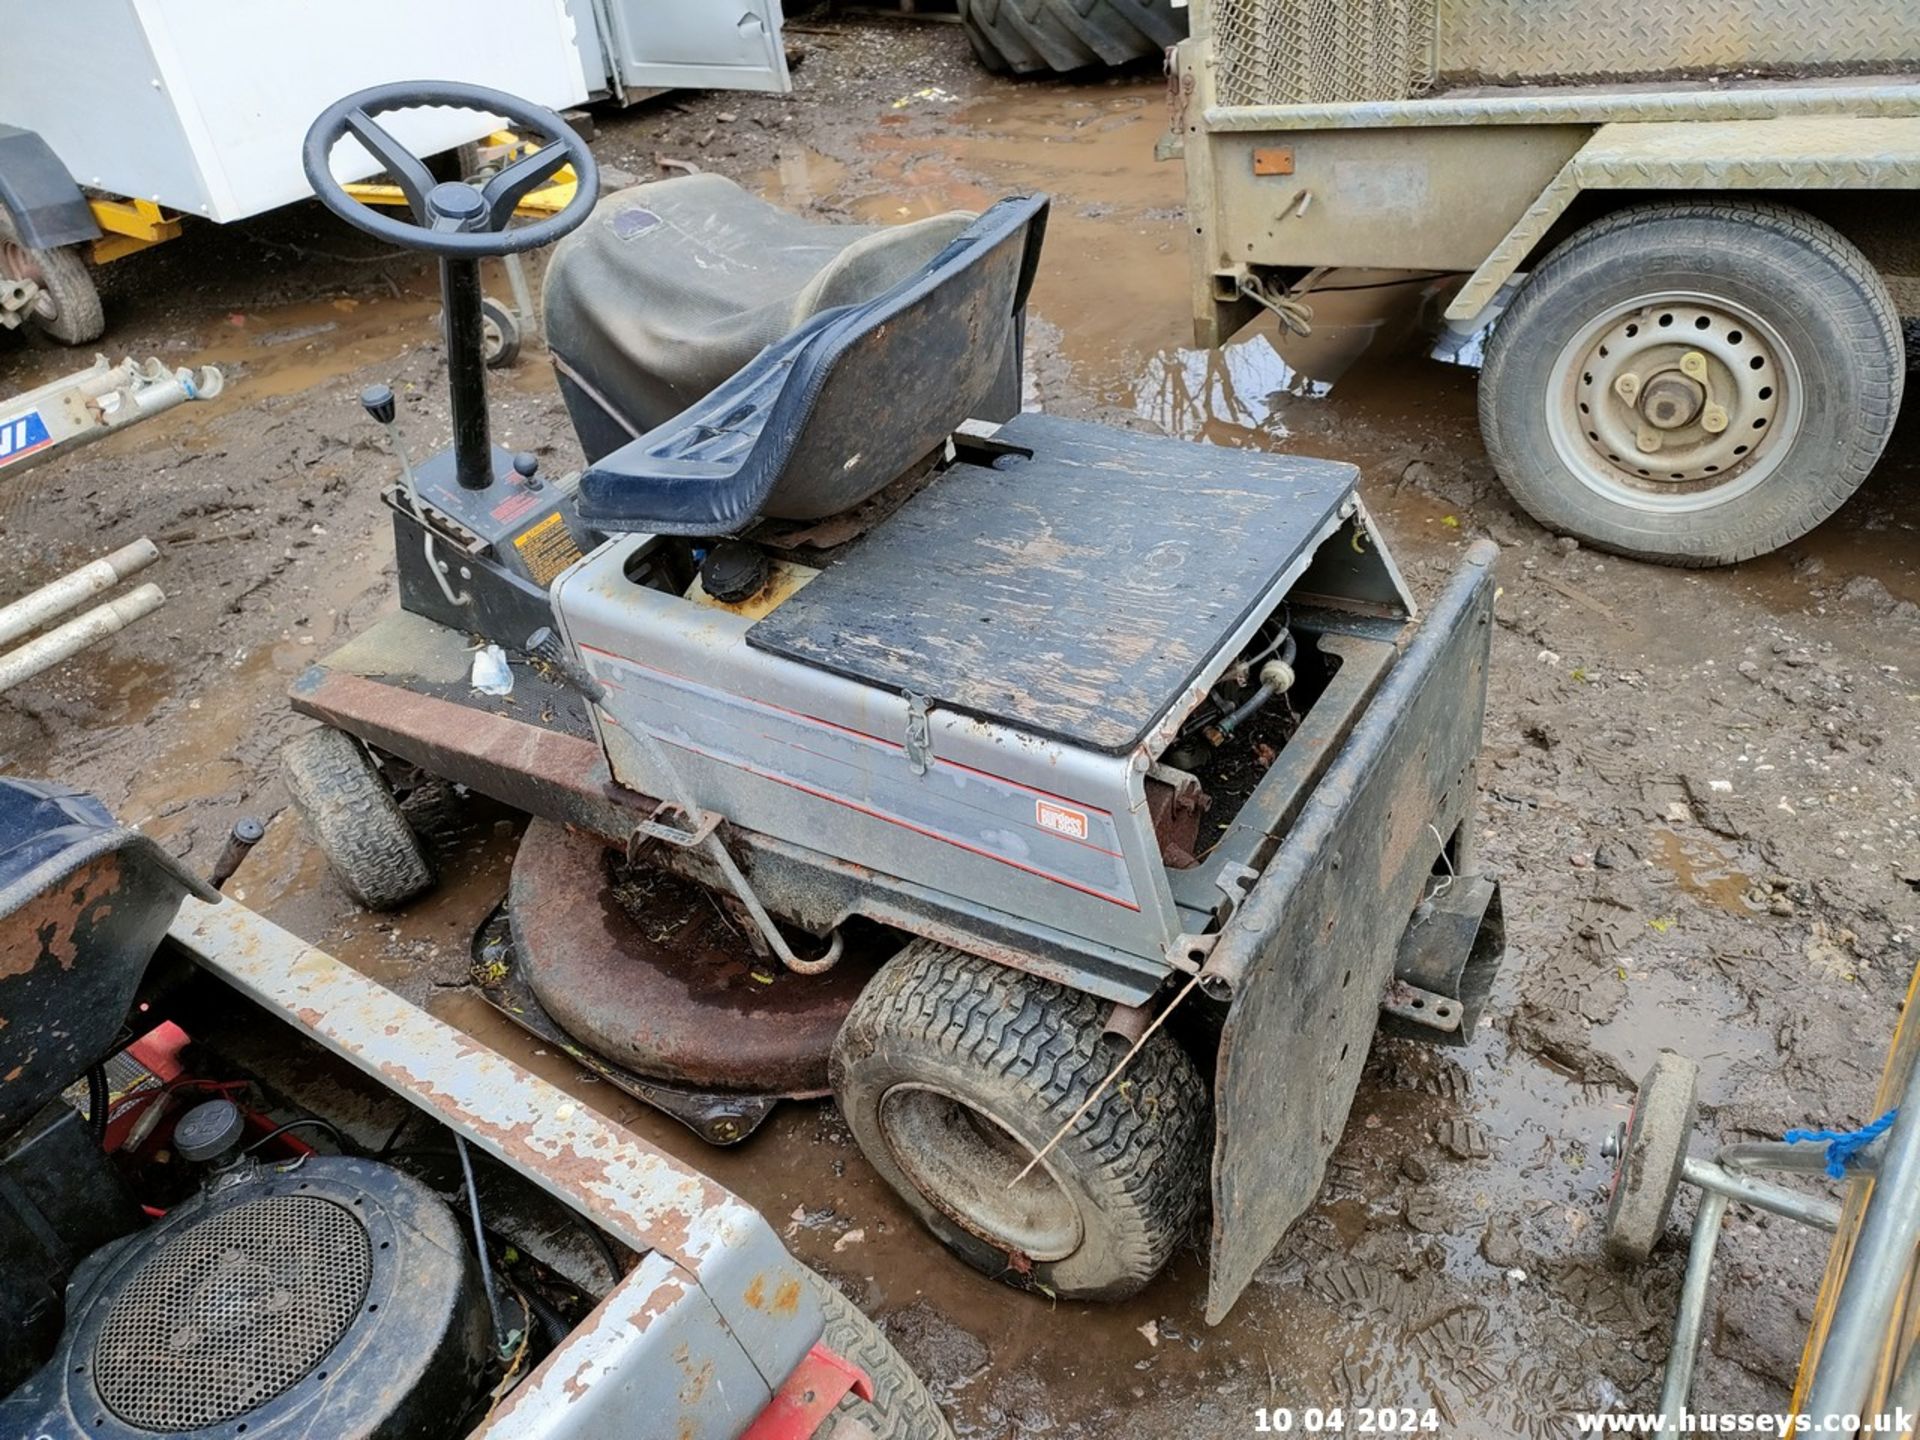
(643, 977)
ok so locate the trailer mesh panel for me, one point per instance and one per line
(1321, 52)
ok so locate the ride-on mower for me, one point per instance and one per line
(1068, 802)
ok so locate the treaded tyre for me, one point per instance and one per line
(953, 1072)
(68, 307)
(901, 1408)
(1024, 36)
(1647, 1171)
(354, 820)
(1696, 382)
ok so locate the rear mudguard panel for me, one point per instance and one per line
(1308, 957)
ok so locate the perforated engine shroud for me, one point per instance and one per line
(337, 1297)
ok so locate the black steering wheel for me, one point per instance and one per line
(451, 218)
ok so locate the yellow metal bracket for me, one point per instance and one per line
(131, 225)
(500, 148)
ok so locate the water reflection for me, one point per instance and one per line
(1231, 396)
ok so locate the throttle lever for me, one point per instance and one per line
(544, 645)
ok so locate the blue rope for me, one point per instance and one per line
(1843, 1145)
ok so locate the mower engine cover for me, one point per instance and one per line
(336, 1297)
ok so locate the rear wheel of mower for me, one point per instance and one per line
(1653, 1153)
(901, 1408)
(353, 818)
(1694, 382)
(1022, 36)
(68, 306)
(953, 1072)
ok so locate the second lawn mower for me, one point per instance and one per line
(1068, 802)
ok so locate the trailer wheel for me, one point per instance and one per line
(67, 308)
(353, 818)
(1022, 36)
(953, 1072)
(1694, 383)
(1652, 1154)
(901, 1408)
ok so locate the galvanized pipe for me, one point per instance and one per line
(1876, 1276)
(1814, 1210)
(30, 612)
(77, 634)
(1691, 1321)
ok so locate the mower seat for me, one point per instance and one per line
(669, 288)
(83, 904)
(850, 400)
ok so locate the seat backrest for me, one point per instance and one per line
(83, 904)
(847, 402)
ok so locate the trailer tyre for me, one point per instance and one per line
(68, 306)
(1652, 1155)
(901, 1408)
(354, 820)
(1695, 383)
(953, 1072)
(1024, 36)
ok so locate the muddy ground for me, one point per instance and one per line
(1698, 787)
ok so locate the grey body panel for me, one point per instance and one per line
(1072, 593)
(1033, 832)
(1309, 956)
(39, 196)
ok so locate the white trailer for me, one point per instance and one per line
(119, 117)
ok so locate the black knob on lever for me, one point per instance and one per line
(246, 834)
(378, 402)
(527, 466)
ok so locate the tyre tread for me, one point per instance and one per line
(1024, 36)
(354, 819)
(1041, 1041)
(901, 1408)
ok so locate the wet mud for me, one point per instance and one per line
(1698, 787)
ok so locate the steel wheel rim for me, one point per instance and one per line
(1690, 354)
(963, 1158)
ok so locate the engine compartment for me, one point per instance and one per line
(251, 1238)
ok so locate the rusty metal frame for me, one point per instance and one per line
(698, 1337)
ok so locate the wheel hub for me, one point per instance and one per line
(965, 1160)
(1673, 401)
(17, 264)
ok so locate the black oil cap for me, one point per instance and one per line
(733, 571)
(208, 1131)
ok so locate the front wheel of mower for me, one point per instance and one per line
(901, 1408)
(1653, 1153)
(953, 1072)
(500, 335)
(354, 820)
(1693, 382)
